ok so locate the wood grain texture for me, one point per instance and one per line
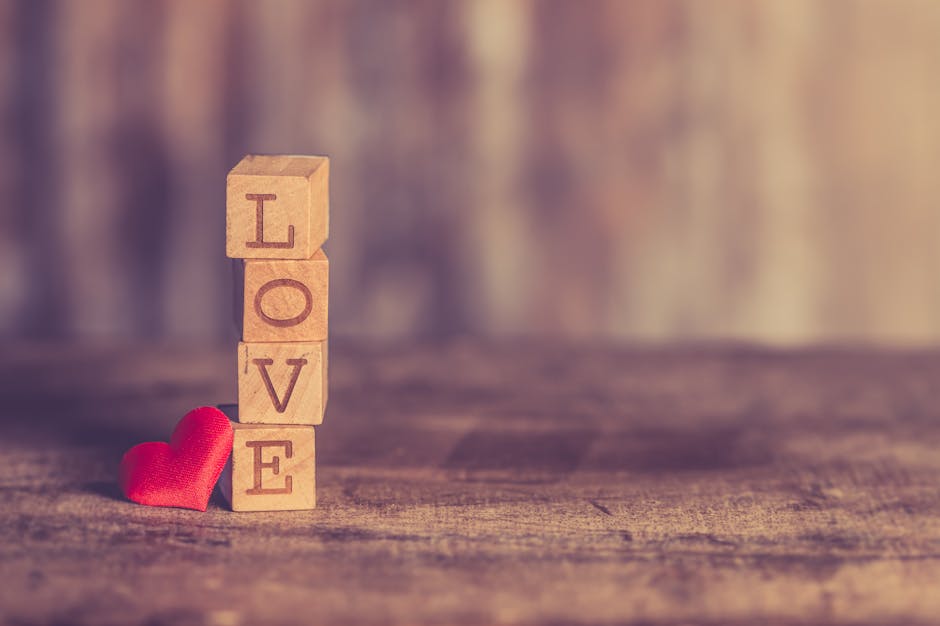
(480, 483)
(643, 169)
(277, 207)
(285, 300)
(282, 383)
(272, 468)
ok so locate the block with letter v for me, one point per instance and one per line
(282, 383)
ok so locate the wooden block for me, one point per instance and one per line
(272, 468)
(277, 207)
(238, 291)
(282, 383)
(285, 300)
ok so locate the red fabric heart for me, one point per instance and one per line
(183, 473)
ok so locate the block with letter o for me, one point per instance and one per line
(286, 300)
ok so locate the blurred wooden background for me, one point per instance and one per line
(654, 170)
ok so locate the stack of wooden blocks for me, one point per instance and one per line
(277, 218)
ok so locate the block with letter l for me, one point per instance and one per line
(277, 207)
(272, 468)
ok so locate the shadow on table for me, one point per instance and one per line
(83, 433)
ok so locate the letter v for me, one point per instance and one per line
(279, 405)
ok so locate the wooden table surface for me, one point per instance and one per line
(489, 483)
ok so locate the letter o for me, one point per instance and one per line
(288, 321)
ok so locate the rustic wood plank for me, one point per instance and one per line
(484, 483)
(641, 169)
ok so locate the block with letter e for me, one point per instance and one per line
(282, 383)
(272, 468)
(277, 207)
(283, 300)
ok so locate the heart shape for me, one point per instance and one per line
(183, 472)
